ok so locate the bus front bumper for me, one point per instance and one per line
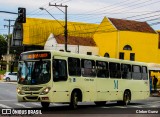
(33, 98)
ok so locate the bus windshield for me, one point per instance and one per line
(34, 72)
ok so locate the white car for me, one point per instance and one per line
(8, 76)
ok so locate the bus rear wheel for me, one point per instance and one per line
(100, 103)
(126, 97)
(74, 100)
(45, 104)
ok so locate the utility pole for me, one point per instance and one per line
(8, 40)
(65, 27)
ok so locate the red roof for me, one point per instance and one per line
(73, 40)
(130, 25)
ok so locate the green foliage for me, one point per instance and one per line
(2, 72)
(3, 46)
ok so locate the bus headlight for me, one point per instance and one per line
(19, 91)
(45, 91)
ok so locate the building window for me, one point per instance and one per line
(106, 55)
(127, 47)
(121, 55)
(132, 56)
(89, 53)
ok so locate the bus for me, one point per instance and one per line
(50, 76)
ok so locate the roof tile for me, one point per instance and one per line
(73, 40)
(130, 25)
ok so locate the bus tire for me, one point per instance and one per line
(126, 97)
(74, 100)
(100, 103)
(45, 104)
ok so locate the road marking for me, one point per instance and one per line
(105, 107)
(153, 106)
(139, 106)
(120, 106)
(37, 104)
(22, 105)
(4, 106)
(57, 104)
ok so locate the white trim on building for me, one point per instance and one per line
(51, 44)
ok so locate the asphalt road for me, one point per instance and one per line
(8, 100)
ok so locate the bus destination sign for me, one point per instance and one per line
(35, 55)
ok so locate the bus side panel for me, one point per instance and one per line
(85, 85)
(61, 92)
(103, 89)
(109, 89)
(140, 89)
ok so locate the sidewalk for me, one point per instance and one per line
(155, 93)
(12, 82)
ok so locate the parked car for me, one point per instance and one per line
(8, 76)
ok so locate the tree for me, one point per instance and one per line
(3, 46)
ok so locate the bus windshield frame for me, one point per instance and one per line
(34, 68)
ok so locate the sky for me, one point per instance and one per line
(90, 11)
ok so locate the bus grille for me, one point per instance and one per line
(32, 98)
(31, 88)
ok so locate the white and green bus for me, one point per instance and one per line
(49, 76)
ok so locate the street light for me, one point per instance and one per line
(41, 8)
(65, 27)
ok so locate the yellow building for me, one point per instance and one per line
(36, 31)
(127, 39)
(116, 38)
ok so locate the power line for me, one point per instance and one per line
(137, 5)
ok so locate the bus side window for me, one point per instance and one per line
(102, 69)
(144, 73)
(136, 72)
(115, 71)
(74, 66)
(88, 68)
(59, 70)
(126, 71)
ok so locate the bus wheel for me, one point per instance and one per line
(100, 103)
(45, 104)
(126, 97)
(74, 100)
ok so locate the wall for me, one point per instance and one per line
(144, 45)
(106, 38)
